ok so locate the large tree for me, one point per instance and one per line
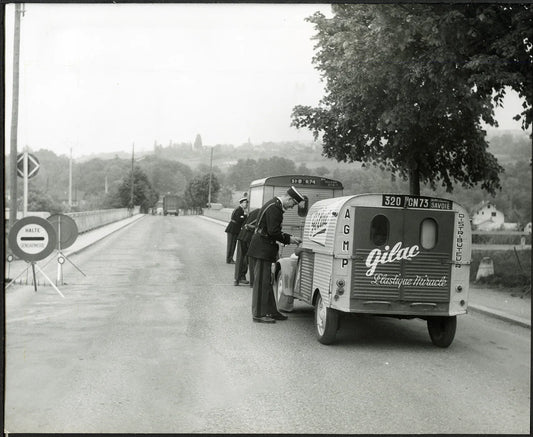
(407, 86)
(197, 191)
(143, 193)
(166, 176)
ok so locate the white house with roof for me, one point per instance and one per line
(486, 217)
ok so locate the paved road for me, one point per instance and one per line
(156, 339)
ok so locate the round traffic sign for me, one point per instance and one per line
(32, 238)
(66, 229)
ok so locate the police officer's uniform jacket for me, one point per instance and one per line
(264, 244)
(238, 216)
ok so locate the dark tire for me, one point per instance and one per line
(442, 330)
(326, 322)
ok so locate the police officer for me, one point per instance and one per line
(243, 241)
(238, 216)
(264, 250)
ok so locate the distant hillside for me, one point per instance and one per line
(506, 145)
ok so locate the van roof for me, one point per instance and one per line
(392, 200)
(298, 180)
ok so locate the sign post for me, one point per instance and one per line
(67, 233)
(27, 167)
(33, 239)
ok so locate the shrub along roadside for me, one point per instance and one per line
(500, 238)
(511, 269)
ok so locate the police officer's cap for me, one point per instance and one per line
(243, 199)
(293, 192)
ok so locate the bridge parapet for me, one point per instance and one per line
(223, 214)
(88, 220)
(85, 220)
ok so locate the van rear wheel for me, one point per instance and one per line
(442, 330)
(326, 322)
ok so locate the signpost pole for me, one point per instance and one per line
(59, 280)
(25, 158)
(67, 232)
(34, 277)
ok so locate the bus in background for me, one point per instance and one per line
(313, 188)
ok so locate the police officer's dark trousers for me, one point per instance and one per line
(232, 242)
(263, 301)
(241, 262)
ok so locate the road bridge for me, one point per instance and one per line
(157, 339)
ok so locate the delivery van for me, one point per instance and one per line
(390, 255)
(313, 188)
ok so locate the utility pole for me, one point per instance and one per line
(25, 171)
(14, 117)
(70, 180)
(210, 173)
(132, 159)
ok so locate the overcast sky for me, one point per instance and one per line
(100, 77)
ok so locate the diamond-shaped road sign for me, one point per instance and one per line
(33, 165)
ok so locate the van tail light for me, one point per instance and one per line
(340, 286)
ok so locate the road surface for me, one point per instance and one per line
(157, 339)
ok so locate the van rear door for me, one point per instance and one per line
(402, 255)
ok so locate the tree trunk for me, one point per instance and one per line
(414, 182)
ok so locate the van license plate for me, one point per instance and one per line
(407, 201)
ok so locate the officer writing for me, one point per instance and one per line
(264, 250)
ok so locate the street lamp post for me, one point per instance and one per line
(210, 175)
(132, 160)
(14, 117)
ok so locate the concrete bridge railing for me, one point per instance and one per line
(88, 220)
(223, 214)
(85, 220)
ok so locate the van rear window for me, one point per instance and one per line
(428, 233)
(379, 230)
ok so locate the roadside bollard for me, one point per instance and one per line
(486, 268)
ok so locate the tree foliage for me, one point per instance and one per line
(166, 176)
(143, 193)
(407, 86)
(40, 200)
(246, 170)
(197, 192)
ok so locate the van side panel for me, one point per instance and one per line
(323, 266)
(460, 274)
(256, 197)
